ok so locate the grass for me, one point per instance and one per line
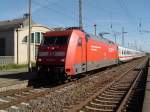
(15, 66)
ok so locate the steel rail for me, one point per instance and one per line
(78, 107)
(28, 97)
(127, 96)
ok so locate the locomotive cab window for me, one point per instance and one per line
(80, 42)
(87, 37)
(56, 41)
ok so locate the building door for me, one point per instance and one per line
(2, 47)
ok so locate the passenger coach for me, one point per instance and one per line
(126, 54)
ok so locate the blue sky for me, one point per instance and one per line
(64, 13)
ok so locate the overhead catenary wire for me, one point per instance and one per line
(57, 4)
(70, 18)
(52, 9)
(94, 5)
(127, 13)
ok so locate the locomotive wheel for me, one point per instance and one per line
(62, 77)
(56, 77)
(71, 78)
(39, 74)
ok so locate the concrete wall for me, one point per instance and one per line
(23, 46)
(9, 42)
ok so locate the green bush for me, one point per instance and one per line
(15, 66)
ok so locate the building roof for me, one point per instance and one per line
(15, 23)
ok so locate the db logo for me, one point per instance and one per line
(52, 53)
(111, 49)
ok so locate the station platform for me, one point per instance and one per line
(15, 79)
(146, 103)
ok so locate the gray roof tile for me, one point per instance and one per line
(15, 23)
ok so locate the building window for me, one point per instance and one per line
(25, 39)
(2, 47)
(41, 37)
(37, 37)
(32, 38)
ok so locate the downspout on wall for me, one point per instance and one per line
(17, 31)
(16, 46)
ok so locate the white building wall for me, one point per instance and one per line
(9, 42)
(23, 46)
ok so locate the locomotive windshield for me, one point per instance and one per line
(55, 41)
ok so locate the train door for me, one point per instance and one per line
(82, 53)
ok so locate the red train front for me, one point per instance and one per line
(71, 52)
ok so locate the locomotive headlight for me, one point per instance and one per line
(62, 60)
(39, 59)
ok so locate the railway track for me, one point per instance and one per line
(62, 97)
(116, 96)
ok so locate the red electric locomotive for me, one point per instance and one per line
(72, 51)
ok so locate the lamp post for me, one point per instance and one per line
(115, 34)
(80, 14)
(115, 37)
(29, 40)
(95, 29)
(123, 32)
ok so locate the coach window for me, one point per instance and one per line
(80, 42)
